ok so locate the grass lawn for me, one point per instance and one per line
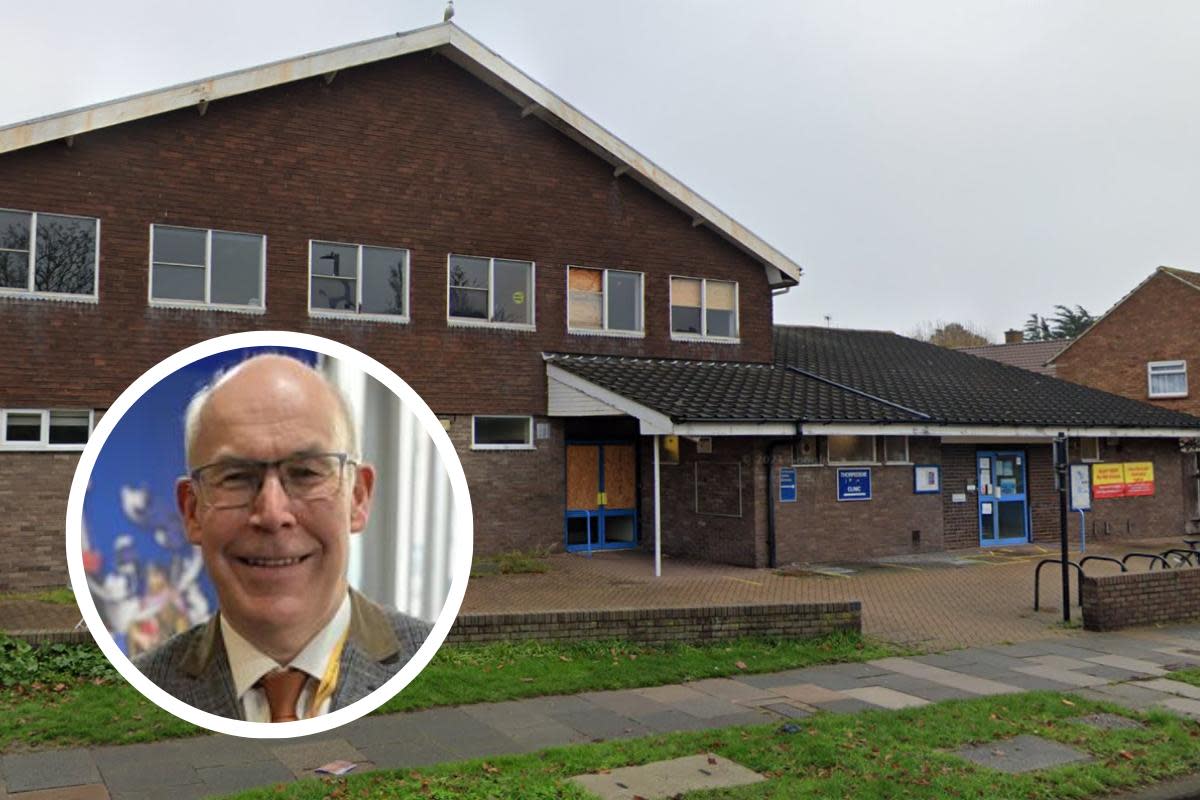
(49, 705)
(862, 756)
(1191, 676)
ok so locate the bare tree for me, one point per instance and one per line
(951, 334)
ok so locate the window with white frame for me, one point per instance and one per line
(850, 449)
(501, 433)
(604, 300)
(704, 308)
(1089, 448)
(895, 449)
(52, 255)
(1167, 378)
(196, 266)
(358, 280)
(45, 429)
(490, 291)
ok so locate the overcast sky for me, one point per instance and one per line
(958, 160)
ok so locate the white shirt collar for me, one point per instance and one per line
(247, 663)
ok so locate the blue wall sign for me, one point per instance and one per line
(787, 485)
(854, 484)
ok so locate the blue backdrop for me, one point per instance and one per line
(147, 581)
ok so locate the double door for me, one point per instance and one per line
(601, 496)
(1003, 497)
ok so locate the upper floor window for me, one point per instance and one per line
(50, 255)
(357, 280)
(490, 291)
(1167, 378)
(604, 300)
(194, 266)
(703, 308)
(41, 429)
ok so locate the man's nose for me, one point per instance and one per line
(272, 506)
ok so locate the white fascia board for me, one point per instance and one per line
(736, 429)
(1034, 432)
(586, 131)
(115, 112)
(652, 421)
(461, 48)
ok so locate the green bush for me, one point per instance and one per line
(22, 664)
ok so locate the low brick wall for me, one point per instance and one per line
(660, 625)
(1144, 598)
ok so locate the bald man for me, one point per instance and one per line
(274, 491)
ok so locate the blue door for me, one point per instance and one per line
(1003, 497)
(601, 512)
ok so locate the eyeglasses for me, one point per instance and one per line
(234, 483)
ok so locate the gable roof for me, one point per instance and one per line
(1026, 355)
(957, 388)
(1191, 279)
(459, 47)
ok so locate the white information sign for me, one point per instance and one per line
(1081, 488)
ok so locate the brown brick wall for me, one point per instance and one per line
(1145, 598)
(1159, 322)
(1167, 513)
(819, 528)
(33, 505)
(739, 540)
(410, 153)
(661, 625)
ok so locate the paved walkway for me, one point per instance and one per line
(1124, 668)
(931, 601)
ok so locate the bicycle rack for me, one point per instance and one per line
(1153, 558)
(1086, 559)
(1184, 556)
(1037, 579)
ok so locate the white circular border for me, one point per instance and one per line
(460, 557)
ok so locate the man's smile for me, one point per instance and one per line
(271, 563)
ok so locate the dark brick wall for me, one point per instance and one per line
(410, 153)
(1145, 598)
(819, 528)
(1159, 322)
(739, 540)
(661, 625)
(33, 505)
(1167, 513)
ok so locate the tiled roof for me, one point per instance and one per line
(1026, 355)
(726, 391)
(954, 387)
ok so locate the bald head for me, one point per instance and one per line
(267, 390)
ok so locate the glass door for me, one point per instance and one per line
(1003, 498)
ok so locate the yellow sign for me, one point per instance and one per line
(1108, 480)
(1139, 479)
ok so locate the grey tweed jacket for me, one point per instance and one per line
(194, 667)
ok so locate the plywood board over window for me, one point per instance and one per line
(719, 488)
(583, 476)
(620, 479)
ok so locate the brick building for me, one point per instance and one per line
(420, 199)
(1141, 348)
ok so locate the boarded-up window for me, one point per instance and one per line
(719, 488)
(703, 307)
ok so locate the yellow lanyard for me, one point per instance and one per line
(329, 679)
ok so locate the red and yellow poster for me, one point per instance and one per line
(1108, 480)
(1139, 479)
(1133, 479)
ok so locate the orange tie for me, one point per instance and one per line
(283, 687)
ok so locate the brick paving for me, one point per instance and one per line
(1118, 668)
(935, 602)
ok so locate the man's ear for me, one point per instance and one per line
(360, 498)
(185, 498)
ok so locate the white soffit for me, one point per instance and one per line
(992, 433)
(461, 48)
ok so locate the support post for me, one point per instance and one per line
(1060, 471)
(657, 512)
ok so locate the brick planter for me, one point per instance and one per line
(1144, 598)
(660, 625)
